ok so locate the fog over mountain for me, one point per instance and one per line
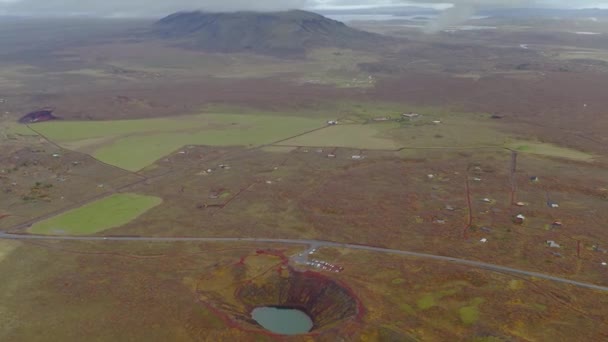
(157, 8)
(452, 11)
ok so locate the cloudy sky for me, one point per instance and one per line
(161, 7)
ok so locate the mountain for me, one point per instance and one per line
(289, 33)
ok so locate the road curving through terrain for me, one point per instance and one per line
(316, 244)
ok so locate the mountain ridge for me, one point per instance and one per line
(288, 33)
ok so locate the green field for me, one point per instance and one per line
(355, 136)
(455, 130)
(13, 128)
(135, 144)
(110, 212)
(549, 150)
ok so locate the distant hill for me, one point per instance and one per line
(545, 13)
(289, 33)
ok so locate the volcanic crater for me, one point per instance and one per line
(326, 301)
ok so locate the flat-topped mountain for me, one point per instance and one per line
(288, 33)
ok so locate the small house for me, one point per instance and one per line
(410, 115)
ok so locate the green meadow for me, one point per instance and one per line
(135, 144)
(354, 136)
(110, 212)
(549, 150)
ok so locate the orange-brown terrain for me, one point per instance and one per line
(296, 181)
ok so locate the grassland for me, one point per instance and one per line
(6, 247)
(11, 128)
(549, 150)
(452, 130)
(110, 212)
(135, 144)
(355, 136)
(325, 65)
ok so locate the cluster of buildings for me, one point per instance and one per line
(326, 266)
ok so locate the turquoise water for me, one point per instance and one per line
(282, 321)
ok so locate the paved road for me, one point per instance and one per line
(317, 244)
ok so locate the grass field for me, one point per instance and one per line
(549, 150)
(454, 130)
(13, 128)
(135, 144)
(355, 136)
(110, 212)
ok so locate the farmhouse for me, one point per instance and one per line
(410, 115)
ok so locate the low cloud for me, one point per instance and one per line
(142, 7)
(154, 8)
(462, 10)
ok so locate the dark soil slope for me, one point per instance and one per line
(38, 116)
(288, 33)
